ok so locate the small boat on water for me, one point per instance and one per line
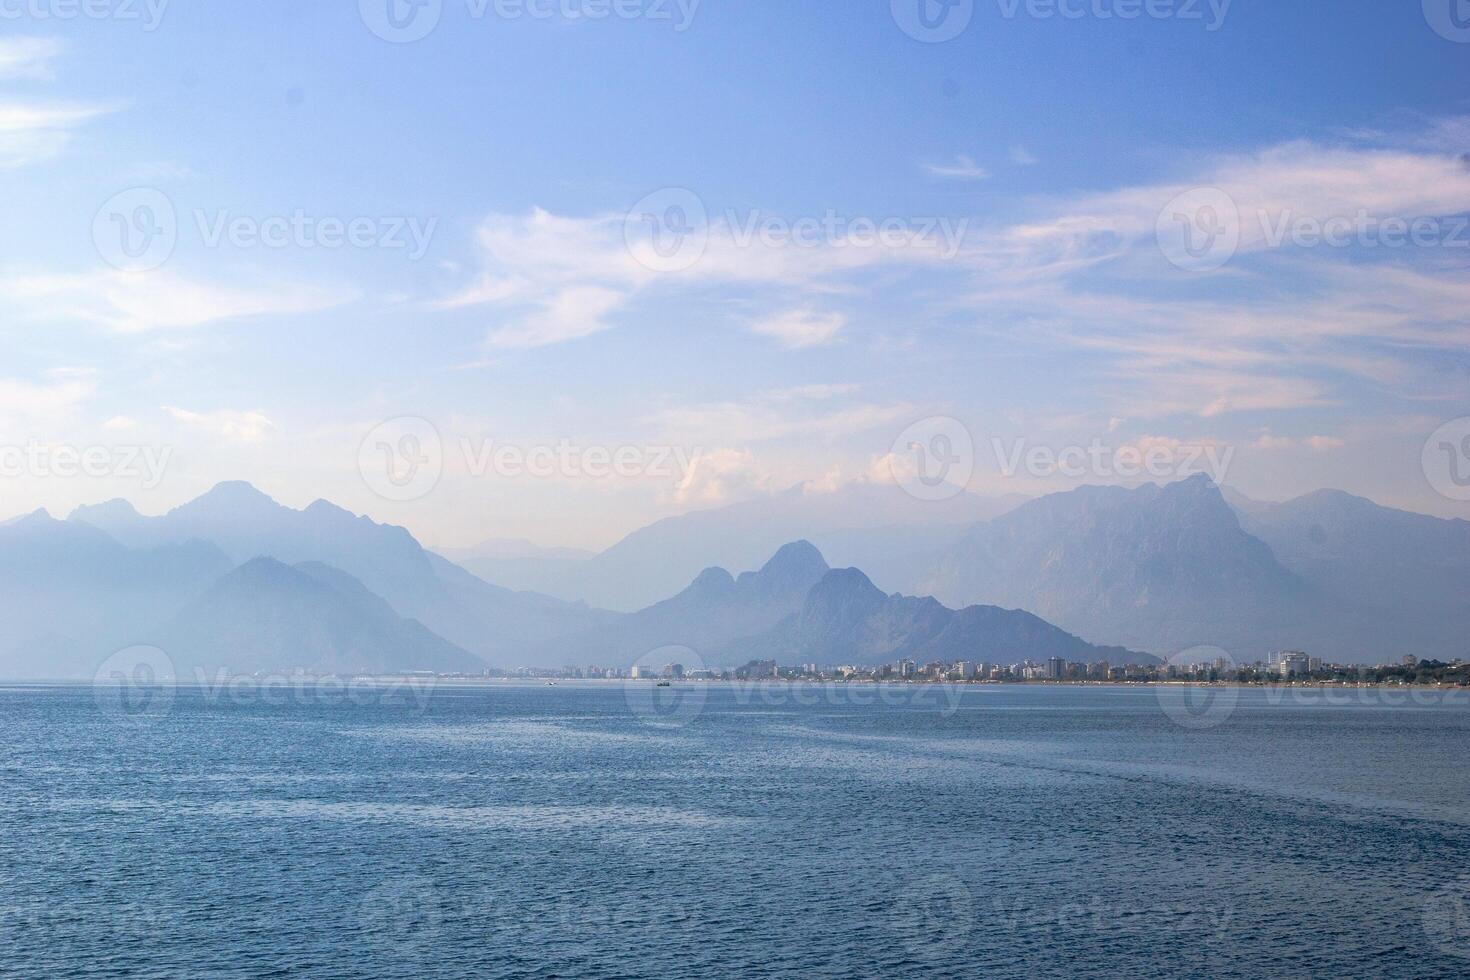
(663, 684)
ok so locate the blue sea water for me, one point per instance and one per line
(592, 830)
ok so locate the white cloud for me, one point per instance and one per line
(32, 405)
(1021, 157)
(32, 133)
(962, 168)
(796, 329)
(765, 418)
(813, 392)
(722, 476)
(577, 311)
(129, 302)
(1277, 327)
(231, 426)
(549, 278)
(1319, 444)
(28, 57)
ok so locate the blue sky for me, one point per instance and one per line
(1046, 146)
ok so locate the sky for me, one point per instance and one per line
(554, 269)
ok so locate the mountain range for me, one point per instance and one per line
(1158, 568)
(235, 579)
(874, 526)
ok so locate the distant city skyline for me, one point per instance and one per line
(542, 273)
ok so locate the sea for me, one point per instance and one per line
(431, 829)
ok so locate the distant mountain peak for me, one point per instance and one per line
(846, 583)
(234, 494)
(712, 580)
(114, 509)
(801, 552)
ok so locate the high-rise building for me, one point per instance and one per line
(1293, 662)
(1056, 668)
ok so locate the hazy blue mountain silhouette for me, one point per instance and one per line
(71, 595)
(1404, 576)
(847, 619)
(268, 616)
(876, 526)
(714, 610)
(1158, 568)
(496, 623)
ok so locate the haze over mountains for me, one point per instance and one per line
(1155, 568)
(876, 527)
(235, 579)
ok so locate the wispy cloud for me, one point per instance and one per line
(28, 57)
(33, 131)
(1021, 157)
(769, 418)
(961, 168)
(1280, 326)
(550, 278)
(229, 425)
(158, 300)
(39, 405)
(796, 329)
